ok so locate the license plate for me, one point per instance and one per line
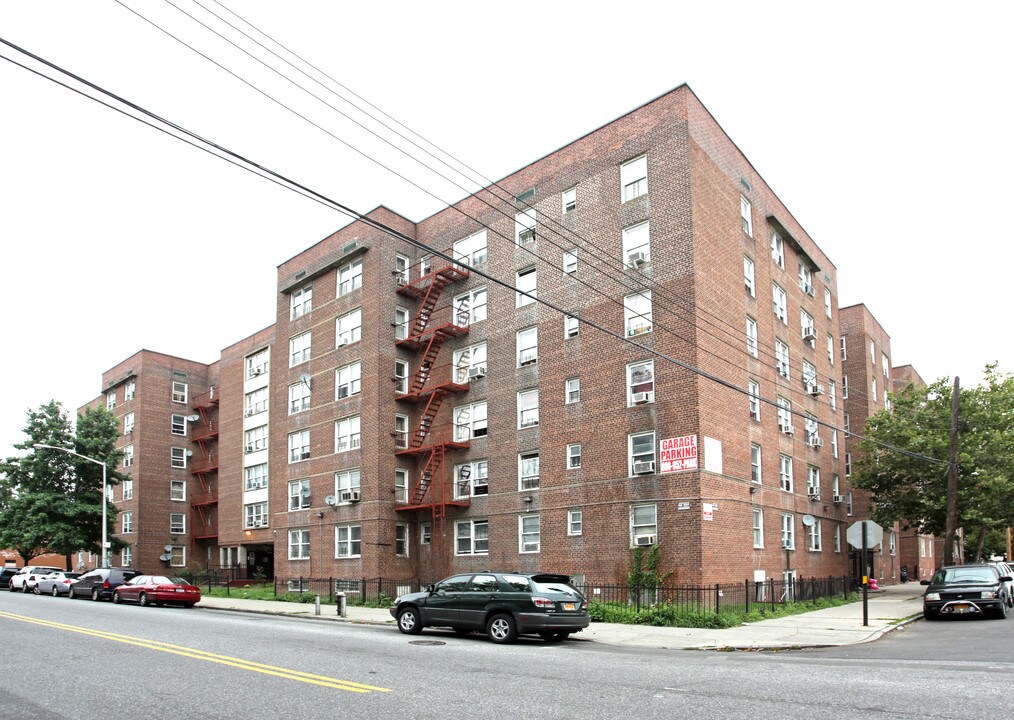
(180, 590)
(568, 606)
(961, 607)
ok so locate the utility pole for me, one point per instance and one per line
(952, 481)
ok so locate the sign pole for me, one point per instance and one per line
(866, 583)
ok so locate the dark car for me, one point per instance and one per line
(502, 605)
(6, 573)
(965, 590)
(149, 590)
(100, 583)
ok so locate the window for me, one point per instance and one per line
(573, 391)
(788, 532)
(893, 543)
(837, 537)
(571, 326)
(257, 363)
(634, 178)
(813, 536)
(758, 528)
(348, 541)
(844, 387)
(810, 377)
(528, 346)
(470, 362)
(470, 421)
(641, 382)
(641, 453)
(400, 323)
(178, 490)
(129, 390)
(400, 377)
(637, 313)
(570, 261)
(845, 424)
(177, 523)
(299, 349)
(528, 408)
(345, 482)
(299, 544)
(128, 456)
(830, 350)
(349, 328)
(873, 352)
(300, 302)
(813, 481)
(471, 478)
(636, 244)
(805, 278)
(471, 537)
(401, 540)
(179, 392)
(348, 380)
(834, 445)
(401, 431)
(873, 396)
(127, 522)
(350, 277)
(256, 401)
(755, 463)
(255, 515)
(128, 423)
(843, 353)
(256, 438)
(784, 415)
(401, 265)
(528, 471)
(885, 365)
(785, 472)
(472, 249)
(643, 524)
(178, 556)
(779, 300)
(746, 215)
(575, 522)
(807, 328)
(777, 250)
(346, 434)
(751, 337)
(110, 400)
(425, 534)
(753, 388)
(827, 302)
(524, 227)
(526, 282)
(470, 307)
(299, 446)
(569, 199)
(573, 456)
(299, 494)
(782, 358)
(178, 457)
(255, 476)
(127, 557)
(848, 464)
(128, 489)
(529, 533)
(749, 277)
(425, 265)
(299, 397)
(400, 485)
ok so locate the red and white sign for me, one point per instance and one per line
(677, 454)
(708, 511)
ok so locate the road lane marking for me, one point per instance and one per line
(183, 651)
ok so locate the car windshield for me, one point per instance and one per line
(966, 575)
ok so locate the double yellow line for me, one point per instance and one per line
(285, 673)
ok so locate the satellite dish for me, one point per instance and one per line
(190, 453)
(305, 492)
(164, 558)
(331, 500)
(193, 418)
(809, 520)
(168, 548)
(306, 378)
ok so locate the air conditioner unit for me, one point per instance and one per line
(644, 468)
(477, 372)
(345, 496)
(250, 448)
(814, 389)
(342, 342)
(813, 492)
(355, 497)
(814, 441)
(809, 333)
(256, 372)
(838, 499)
(808, 289)
(641, 398)
(644, 540)
(248, 413)
(786, 428)
(635, 259)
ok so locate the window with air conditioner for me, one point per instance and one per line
(401, 269)
(128, 423)
(255, 515)
(808, 329)
(299, 446)
(641, 382)
(571, 326)
(528, 346)
(255, 477)
(528, 471)
(180, 392)
(299, 494)
(813, 481)
(299, 348)
(348, 380)
(256, 438)
(346, 434)
(300, 302)
(524, 227)
(528, 408)
(782, 358)
(346, 483)
(643, 524)
(256, 401)
(470, 363)
(350, 277)
(634, 178)
(805, 278)
(570, 261)
(637, 245)
(349, 328)
(641, 453)
(637, 315)
(472, 249)
(529, 534)
(257, 363)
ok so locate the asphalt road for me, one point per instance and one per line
(79, 659)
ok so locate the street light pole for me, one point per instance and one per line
(105, 544)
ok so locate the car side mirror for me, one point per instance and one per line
(1006, 578)
(924, 582)
(429, 589)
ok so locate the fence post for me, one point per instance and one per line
(718, 597)
(771, 580)
(746, 593)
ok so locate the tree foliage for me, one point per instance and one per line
(51, 501)
(904, 458)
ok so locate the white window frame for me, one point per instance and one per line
(401, 269)
(788, 531)
(401, 540)
(568, 200)
(299, 446)
(473, 481)
(752, 346)
(178, 490)
(805, 278)
(349, 328)
(255, 477)
(127, 522)
(753, 398)
(347, 480)
(401, 373)
(526, 281)
(807, 324)
(128, 423)
(814, 536)
(570, 261)
(785, 479)
(637, 313)
(178, 457)
(637, 238)
(779, 301)
(401, 485)
(350, 277)
(573, 456)
(524, 227)
(128, 455)
(298, 500)
(255, 515)
(758, 528)
(110, 400)
(529, 533)
(348, 378)
(128, 489)
(642, 454)
(401, 320)
(129, 390)
(643, 523)
(347, 434)
(348, 541)
(258, 363)
(300, 348)
(470, 307)
(756, 464)
(640, 379)
(472, 249)
(572, 391)
(571, 326)
(575, 522)
(299, 397)
(178, 556)
(180, 392)
(529, 466)
(466, 359)
(300, 302)
(634, 178)
(299, 544)
(255, 401)
(400, 431)
(471, 537)
(827, 303)
(527, 346)
(476, 424)
(528, 408)
(782, 358)
(746, 215)
(177, 523)
(749, 276)
(777, 249)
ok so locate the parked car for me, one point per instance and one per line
(151, 590)
(24, 579)
(502, 605)
(6, 573)
(965, 590)
(1008, 587)
(99, 584)
(56, 584)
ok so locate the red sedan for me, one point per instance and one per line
(149, 590)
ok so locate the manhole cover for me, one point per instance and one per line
(426, 642)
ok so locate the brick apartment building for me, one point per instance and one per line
(406, 417)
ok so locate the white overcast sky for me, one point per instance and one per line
(884, 127)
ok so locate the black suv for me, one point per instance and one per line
(100, 583)
(6, 573)
(502, 605)
(965, 590)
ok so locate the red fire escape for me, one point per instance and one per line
(205, 467)
(431, 489)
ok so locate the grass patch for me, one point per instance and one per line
(267, 592)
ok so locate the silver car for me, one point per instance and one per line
(28, 575)
(56, 584)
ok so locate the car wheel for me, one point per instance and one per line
(95, 594)
(56, 593)
(116, 598)
(10, 586)
(144, 600)
(409, 621)
(502, 629)
(36, 590)
(70, 594)
(25, 588)
(1001, 611)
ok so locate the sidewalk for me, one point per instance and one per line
(888, 609)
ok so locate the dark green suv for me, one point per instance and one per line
(502, 605)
